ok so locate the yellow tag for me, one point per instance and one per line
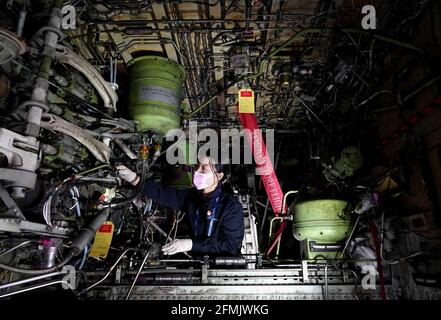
(388, 183)
(103, 239)
(246, 101)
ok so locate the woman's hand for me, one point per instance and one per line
(178, 245)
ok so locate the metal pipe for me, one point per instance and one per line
(161, 41)
(410, 95)
(107, 180)
(349, 238)
(50, 253)
(33, 288)
(178, 260)
(185, 21)
(16, 247)
(271, 231)
(108, 273)
(261, 204)
(137, 275)
(125, 148)
(422, 87)
(21, 22)
(23, 281)
(282, 218)
(313, 113)
(285, 197)
(271, 225)
(39, 93)
(326, 281)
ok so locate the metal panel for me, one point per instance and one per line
(235, 292)
(16, 225)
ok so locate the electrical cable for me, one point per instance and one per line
(75, 193)
(113, 204)
(48, 203)
(83, 260)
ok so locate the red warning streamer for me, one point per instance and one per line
(263, 161)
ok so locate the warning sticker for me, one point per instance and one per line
(155, 93)
(103, 239)
(246, 101)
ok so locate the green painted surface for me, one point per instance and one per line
(323, 222)
(155, 93)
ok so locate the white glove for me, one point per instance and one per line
(178, 245)
(127, 175)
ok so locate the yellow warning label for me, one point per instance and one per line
(246, 101)
(103, 239)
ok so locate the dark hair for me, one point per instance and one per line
(219, 167)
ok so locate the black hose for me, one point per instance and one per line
(39, 271)
(77, 246)
(136, 195)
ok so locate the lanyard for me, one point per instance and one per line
(211, 213)
(212, 217)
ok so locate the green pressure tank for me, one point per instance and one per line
(323, 224)
(155, 93)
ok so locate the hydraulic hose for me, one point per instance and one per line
(85, 237)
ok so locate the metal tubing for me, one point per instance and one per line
(21, 22)
(23, 281)
(109, 272)
(39, 93)
(137, 275)
(34, 288)
(16, 247)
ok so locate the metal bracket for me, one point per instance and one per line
(13, 209)
(97, 148)
(23, 226)
(22, 163)
(10, 46)
(305, 274)
(118, 275)
(204, 275)
(317, 247)
(11, 144)
(67, 56)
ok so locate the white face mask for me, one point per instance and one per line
(203, 180)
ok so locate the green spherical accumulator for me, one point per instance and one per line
(324, 220)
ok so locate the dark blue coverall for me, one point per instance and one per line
(228, 231)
